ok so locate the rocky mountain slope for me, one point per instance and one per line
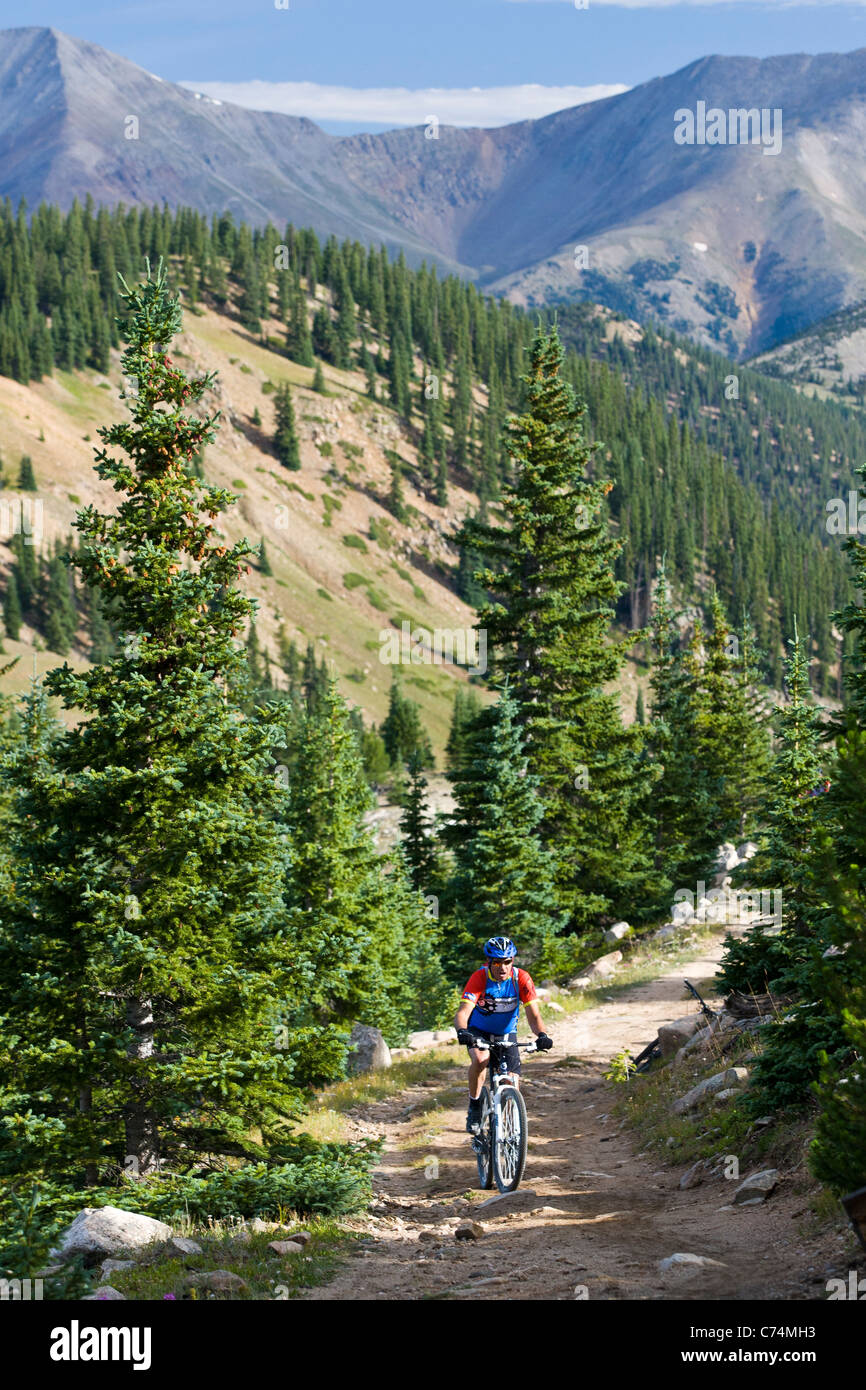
(333, 583)
(507, 206)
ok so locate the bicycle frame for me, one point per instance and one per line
(498, 1076)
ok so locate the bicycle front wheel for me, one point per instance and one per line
(509, 1147)
(483, 1143)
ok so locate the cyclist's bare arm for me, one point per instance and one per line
(533, 1016)
(461, 1018)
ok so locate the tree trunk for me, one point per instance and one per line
(142, 1137)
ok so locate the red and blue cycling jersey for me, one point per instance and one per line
(497, 1002)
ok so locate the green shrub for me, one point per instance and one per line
(355, 543)
(352, 580)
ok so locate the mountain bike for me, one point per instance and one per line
(500, 1144)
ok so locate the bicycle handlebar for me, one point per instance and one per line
(484, 1046)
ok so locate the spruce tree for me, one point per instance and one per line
(141, 953)
(418, 849)
(552, 591)
(12, 615)
(402, 733)
(26, 476)
(285, 432)
(503, 883)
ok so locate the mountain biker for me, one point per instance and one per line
(489, 1010)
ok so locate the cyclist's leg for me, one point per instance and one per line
(477, 1067)
(513, 1058)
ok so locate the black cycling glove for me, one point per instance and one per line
(543, 1042)
(465, 1037)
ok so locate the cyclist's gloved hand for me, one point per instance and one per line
(543, 1043)
(464, 1037)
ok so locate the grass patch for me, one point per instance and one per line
(355, 543)
(74, 498)
(268, 1276)
(357, 676)
(325, 449)
(380, 533)
(377, 599)
(431, 1065)
(352, 580)
(239, 482)
(323, 593)
(267, 388)
(247, 371)
(352, 451)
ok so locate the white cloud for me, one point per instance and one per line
(399, 106)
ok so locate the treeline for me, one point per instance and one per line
(719, 486)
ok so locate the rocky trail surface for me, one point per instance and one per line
(594, 1216)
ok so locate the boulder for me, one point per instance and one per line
(369, 1050)
(182, 1245)
(698, 1040)
(105, 1294)
(732, 1077)
(722, 1097)
(424, 1038)
(727, 857)
(682, 912)
(101, 1231)
(747, 850)
(429, 1237)
(301, 1237)
(666, 933)
(617, 932)
(757, 1187)
(110, 1266)
(672, 1036)
(554, 1007)
(600, 969)
(286, 1247)
(444, 1035)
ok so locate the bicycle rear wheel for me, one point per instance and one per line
(483, 1143)
(509, 1148)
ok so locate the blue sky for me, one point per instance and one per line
(366, 64)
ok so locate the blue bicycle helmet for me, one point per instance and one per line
(499, 948)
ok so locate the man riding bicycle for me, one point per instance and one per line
(489, 1011)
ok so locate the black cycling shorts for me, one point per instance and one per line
(510, 1048)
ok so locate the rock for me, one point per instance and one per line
(424, 1038)
(240, 1235)
(220, 1280)
(469, 1230)
(554, 1007)
(111, 1266)
(698, 1040)
(398, 1053)
(105, 1294)
(301, 1237)
(727, 857)
(260, 1227)
(682, 912)
(694, 1176)
(286, 1247)
(600, 969)
(722, 1097)
(369, 1050)
(617, 932)
(429, 1237)
(686, 1266)
(734, 1076)
(747, 850)
(109, 1231)
(757, 1187)
(666, 933)
(672, 1036)
(444, 1035)
(182, 1245)
(763, 1121)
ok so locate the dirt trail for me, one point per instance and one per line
(593, 1217)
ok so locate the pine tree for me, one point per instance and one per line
(552, 593)
(401, 730)
(504, 877)
(141, 952)
(26, 476)
(319, 380)
(418, 850)
(12, 615)
(286, 444)
(467, 706)
(639, 711)
(264, 562)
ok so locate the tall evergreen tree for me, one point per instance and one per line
(141, 953)
(552, 593)
(418, 849)
(285, 432)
